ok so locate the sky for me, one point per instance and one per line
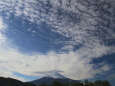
(73, 37)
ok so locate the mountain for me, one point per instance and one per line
(53, 77)
(56, 76)
(13, 82)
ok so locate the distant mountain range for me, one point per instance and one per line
(49, 79)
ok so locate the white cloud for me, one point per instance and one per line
(2, 29)
(2, 39)
(74, 64)
(1, 24)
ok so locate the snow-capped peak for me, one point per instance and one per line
(56, 75)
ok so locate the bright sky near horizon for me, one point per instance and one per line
(74, 37)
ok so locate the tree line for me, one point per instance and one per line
(80, 83)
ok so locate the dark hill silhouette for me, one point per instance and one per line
(13, 82)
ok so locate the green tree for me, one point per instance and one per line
(98, 83)
(87, 83)
(57, 84)
(101, 83)
(78, 84)
(105, 83)
(43, 84)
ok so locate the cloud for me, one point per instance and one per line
(111, 76)
(2, 25)
(48, 72)
(2, 39)
(73, 64)
(82, 25)
(2, 30)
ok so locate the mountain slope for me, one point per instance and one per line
(49, 79)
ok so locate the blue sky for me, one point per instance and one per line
(76, 37)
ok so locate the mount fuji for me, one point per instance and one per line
(56, 75)
(49, 79)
